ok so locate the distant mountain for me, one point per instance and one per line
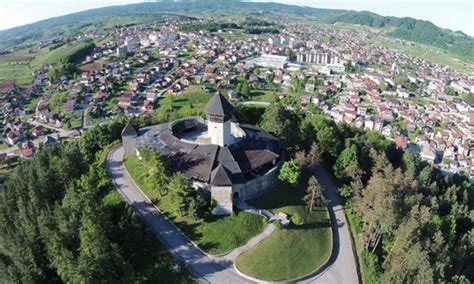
(411, 29)
(414, 30)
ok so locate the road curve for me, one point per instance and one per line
(340, 268)
(199, 264)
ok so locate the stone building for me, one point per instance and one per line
(233, 161)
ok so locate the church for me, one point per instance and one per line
(233, 161)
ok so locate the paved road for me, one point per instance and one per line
(206, 268)
(62, 132)
(340, 269)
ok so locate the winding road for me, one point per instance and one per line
(341, 267)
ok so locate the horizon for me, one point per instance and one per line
(461, 11)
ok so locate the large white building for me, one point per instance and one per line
(272, 61)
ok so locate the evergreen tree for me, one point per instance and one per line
(314, 194)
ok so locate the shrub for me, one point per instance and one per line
(297, 219)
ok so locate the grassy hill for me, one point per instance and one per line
(18, 68)
(411, 29)
(414, 30)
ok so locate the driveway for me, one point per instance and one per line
(198, 263)
(340, 268)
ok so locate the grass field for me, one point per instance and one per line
(263, 95)
(431, 54)
(290, 252)
(190, 102)
(73, 120)
(31, 105)
(57, 101)
(234, 35)
(21, 71)
(3, 145)
(213, 234)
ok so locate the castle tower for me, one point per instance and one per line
(219, 112)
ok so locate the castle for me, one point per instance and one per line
(233, 161)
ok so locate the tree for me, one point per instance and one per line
(297, 219)
(180, 192)
(244, 88)
(315, 154)
(302, 159)
(156, 169)
(314, 194)
(328, 141)
(348, 157)
(378, 205)
(282, 123)
(290, 172)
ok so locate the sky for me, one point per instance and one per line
(452, 14)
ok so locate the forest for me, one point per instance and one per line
(414, 225)
(62, 221)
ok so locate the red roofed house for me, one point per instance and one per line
(401, 142)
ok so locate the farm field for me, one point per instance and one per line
(431, 54)
(18, 68)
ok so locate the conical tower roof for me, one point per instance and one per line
(220, 176)
(219, 106)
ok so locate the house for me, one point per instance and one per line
(209, 70)
(361, 110)
(309, 88)
(14, 136)
(42, 112)
(49, 141)
(148, 106)
(125, 101)
(100, 95)
(349, 116)
(378, 124)
(151, 95)
(305, 100)
(27, 150)
(359, 122)
(387, 130)
(233, 95)
(134, 85)
(38, 131)
(369, 124)
(427, 152)
(401, 142)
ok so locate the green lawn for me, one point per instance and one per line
(234, 36)
(190, 102)
(3, 145)
(263, 95)
(290, 252)
(31, 105)
(73, 120)
(213, 234)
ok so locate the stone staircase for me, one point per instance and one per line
(242, 205)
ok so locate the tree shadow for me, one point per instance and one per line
(310, 226)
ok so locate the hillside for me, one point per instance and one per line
(411, 29)
(414, 30)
